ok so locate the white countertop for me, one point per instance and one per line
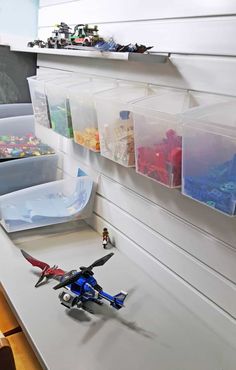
(154, 331)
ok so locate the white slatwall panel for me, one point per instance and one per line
(152, 224)
(192, 36)
(203, 73)
(197, 256)
(99, 11)
(46, 3)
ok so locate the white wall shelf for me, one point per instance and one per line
(135, 57)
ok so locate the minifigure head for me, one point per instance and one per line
(105, 229)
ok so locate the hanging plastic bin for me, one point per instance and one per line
(38, 95)
(158, 133)
(48, 204)
(115, 121)
(57, 92)
(83, 112)
(209, 156)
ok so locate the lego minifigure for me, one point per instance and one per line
(105, 238)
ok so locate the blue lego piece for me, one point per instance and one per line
(217, 188)
(124, 114)
(232, 169)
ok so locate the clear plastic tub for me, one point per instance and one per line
(209, 156)
(38, 96)
(83, 112)
(21, 173)
(158, 133)
(14, 110)
(115, 121)
(57, 92)
(47, 204)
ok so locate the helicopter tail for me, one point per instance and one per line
(119, 300)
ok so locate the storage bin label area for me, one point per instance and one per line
(158, 130)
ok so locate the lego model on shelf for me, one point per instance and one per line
(85, 37)
(81, 286)
(209, 157)
(60, 37)
(37, 43)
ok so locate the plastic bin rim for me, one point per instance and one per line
(65, 84)
(46, 185)
(154, 114)
(99, 95)
(209, 127)
(91, 93)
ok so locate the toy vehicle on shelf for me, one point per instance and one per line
(85, 35)
(81, 286)
(61, 37)
(36, 43)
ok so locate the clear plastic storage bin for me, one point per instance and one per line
(38, 95)
(158, 133)
(14, 110)
(209, 156)
(47, 204)
(57, 92)
(115, 121)
(21, 173)
(83, 112)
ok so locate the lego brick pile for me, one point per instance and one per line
(12, 147)
(162, 161)
(88, 138)
(117, 143)
(216, 188)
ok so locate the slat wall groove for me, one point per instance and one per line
(173, 36)
(84, 11)
(159, 272)
(197, 273)
(177, 237)
(185, 72)
(151, 223)
(208, 17)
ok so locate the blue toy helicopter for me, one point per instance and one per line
(80, 286)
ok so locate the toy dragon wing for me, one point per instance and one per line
(47, 271)
(34, 261)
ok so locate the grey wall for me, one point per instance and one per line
(14, 68)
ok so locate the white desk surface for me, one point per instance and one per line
(153, 332)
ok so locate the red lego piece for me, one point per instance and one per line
(162, 162)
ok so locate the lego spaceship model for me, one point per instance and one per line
(80, 286)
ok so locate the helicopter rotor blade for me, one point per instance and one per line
(68, 281)
(100, 261)
(75, 277)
